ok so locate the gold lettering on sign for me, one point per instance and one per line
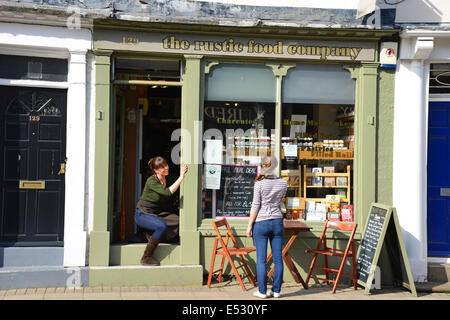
(130, 40)
(254, 47)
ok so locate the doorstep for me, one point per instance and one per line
(43, 277)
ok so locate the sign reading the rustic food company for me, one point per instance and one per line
(234, 46)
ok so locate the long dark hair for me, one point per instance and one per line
(156, 163)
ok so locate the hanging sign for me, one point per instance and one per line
(212, 176)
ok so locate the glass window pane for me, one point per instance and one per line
(238, 121)
(318, 142)
(318, 84)
(240, 82)
(33, 68)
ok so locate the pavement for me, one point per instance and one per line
(224, 291)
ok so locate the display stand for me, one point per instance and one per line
(346, 174)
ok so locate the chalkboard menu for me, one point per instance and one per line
(383, 227)
(235, 196)
(369, 242)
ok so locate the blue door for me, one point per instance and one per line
(439, 179)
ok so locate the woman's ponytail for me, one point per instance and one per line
(151, 164)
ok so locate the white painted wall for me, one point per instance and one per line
(71, 44)
(419, 48)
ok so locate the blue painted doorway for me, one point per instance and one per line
(438, 215)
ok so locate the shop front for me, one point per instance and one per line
(218, 101)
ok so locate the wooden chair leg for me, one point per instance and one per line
(213, 259)
(247, 270)
(236, 273)
(355, 281)
(341, 268)
(311, 269)
(222, 262)
(326, 267)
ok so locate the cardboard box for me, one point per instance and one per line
(319, 214)
(329, 181)
(334, 216)
(295, 203)
(317, 181)
(333, 203)
(347, 213)
(341, 181)
(328, 169)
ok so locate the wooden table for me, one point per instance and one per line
(295, 227)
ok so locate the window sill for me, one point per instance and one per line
(239, 228)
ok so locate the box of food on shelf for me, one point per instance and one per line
(333, 203)
(329, 181)
(317, 181)
(341, 181)
(347, 213)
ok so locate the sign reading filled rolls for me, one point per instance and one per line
(234, 198)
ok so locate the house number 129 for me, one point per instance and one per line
(35, 118)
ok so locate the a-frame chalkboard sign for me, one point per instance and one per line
(382, 226)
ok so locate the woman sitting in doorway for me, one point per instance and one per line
(152, 212)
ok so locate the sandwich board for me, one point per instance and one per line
(382, 227)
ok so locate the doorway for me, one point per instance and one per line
(146, 115)
(438, 208)
(32, 165)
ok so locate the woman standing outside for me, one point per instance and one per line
(266, 224)
(152, 212)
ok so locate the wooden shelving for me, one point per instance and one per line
(346, 174)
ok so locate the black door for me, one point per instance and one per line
(32, 149)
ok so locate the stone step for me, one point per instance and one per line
(11, 257)
(438, 272)
(43, 277)
(173, 275)
(131, 254)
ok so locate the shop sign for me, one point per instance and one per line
(234, 46)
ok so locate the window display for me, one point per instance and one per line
(319, 170)
(238, 119)
(318, 141)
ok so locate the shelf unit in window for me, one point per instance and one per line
(287, 175)
(346, 174)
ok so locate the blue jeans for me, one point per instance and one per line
(150, 222)
(272, 230)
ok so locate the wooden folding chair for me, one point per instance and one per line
(228, 252)
(323, 249)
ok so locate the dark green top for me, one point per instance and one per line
(154, 190)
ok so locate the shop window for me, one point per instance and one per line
(238, 121)
(318, 142)
(33, 68)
